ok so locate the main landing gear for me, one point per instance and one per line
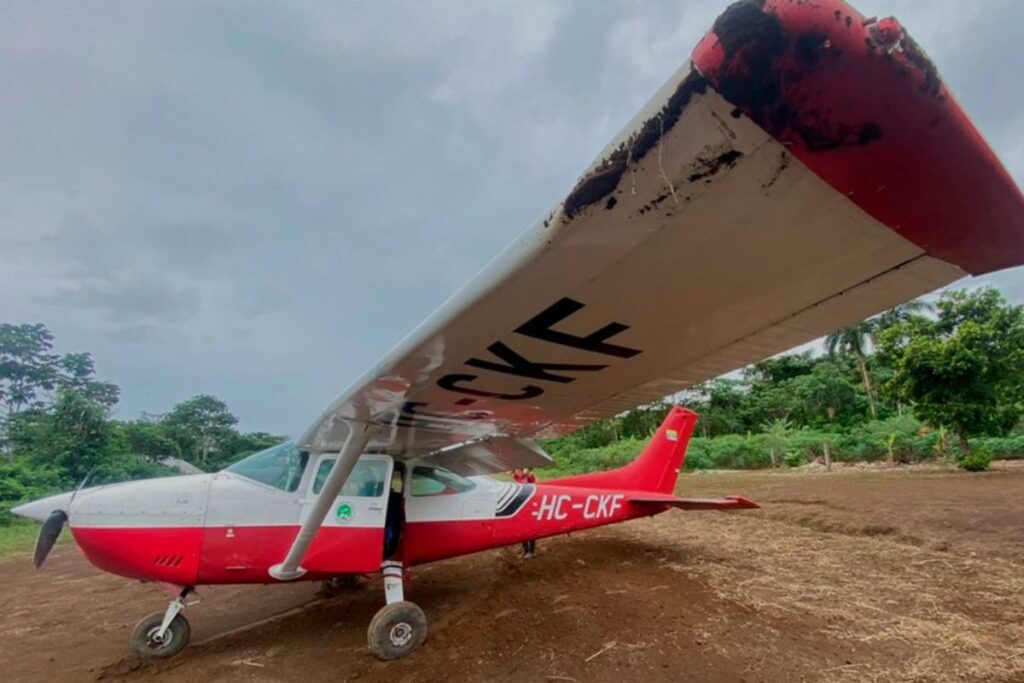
(394, 632)
(400, 626)
(163, 634)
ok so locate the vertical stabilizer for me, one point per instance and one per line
(658, 465)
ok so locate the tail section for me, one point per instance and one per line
(658, 465)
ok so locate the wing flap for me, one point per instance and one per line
(727, 503)
(500, 454)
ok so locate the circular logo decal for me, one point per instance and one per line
(343, 513)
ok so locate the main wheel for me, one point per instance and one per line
(148, 646)
(396, 630)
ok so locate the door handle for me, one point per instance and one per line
(375, 506)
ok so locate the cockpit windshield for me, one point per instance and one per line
(280, 466)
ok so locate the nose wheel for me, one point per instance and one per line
(163, 634)
(150, 641)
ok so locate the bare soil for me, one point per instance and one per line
(905, 574)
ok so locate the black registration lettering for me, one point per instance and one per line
(539, 327)
(521, 367)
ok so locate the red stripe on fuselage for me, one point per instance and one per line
(147, 553)
(244, 554)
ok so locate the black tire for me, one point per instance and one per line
(397, 630)
(332, 588)
(174, 641)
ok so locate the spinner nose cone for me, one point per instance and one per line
(40, 510)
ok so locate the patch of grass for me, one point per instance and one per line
(18, 538)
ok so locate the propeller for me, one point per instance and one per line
(48, 534)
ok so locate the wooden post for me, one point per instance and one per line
(828, 457)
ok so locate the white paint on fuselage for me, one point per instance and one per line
(225, 499)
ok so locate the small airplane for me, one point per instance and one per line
(806, 169)
(236, 526)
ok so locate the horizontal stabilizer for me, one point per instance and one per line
(727, 503)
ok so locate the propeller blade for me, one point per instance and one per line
(48, 534)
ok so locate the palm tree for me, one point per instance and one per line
(896, 315)
(854, 340)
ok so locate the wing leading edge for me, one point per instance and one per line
(709, 235)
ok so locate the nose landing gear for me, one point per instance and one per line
(400, 626)
(163, 634)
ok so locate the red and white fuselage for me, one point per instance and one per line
(227, 528)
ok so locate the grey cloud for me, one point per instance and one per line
(133, 299)
(257, 201)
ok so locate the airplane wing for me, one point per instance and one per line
(806, 170)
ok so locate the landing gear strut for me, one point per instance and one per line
(400, 626)
(163, 634)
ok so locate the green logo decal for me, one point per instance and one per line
(343, 513)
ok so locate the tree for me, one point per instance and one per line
(964, 369)
(77, 372)
(827, 393)
(897, 315)
(642, 422)
(772, 372)
(853, 340)
(28, 369)
(202, 427)
(79, 435)
(720, 407)
(149, 439)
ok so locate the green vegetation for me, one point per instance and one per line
(56, 429)
(18, 537)
(894, 387)
(977, 460)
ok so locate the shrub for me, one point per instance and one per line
(698, 455)
(1003, 447)
(977, 460)
(794, 459)
(583, 460)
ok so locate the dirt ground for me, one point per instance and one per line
(909, 574)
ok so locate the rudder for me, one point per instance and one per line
(658, 465)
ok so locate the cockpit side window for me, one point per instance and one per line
(279, 466)
(365, 481)
(434, 481)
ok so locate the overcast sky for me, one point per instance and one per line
(256, 200)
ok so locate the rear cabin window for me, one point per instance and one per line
(280, 466)
(365, 481)
(434, 481)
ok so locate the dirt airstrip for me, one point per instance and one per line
(909, 574)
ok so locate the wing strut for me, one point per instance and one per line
(358, 436)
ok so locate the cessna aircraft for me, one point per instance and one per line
(805, 170)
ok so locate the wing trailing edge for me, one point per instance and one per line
(727, 503)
